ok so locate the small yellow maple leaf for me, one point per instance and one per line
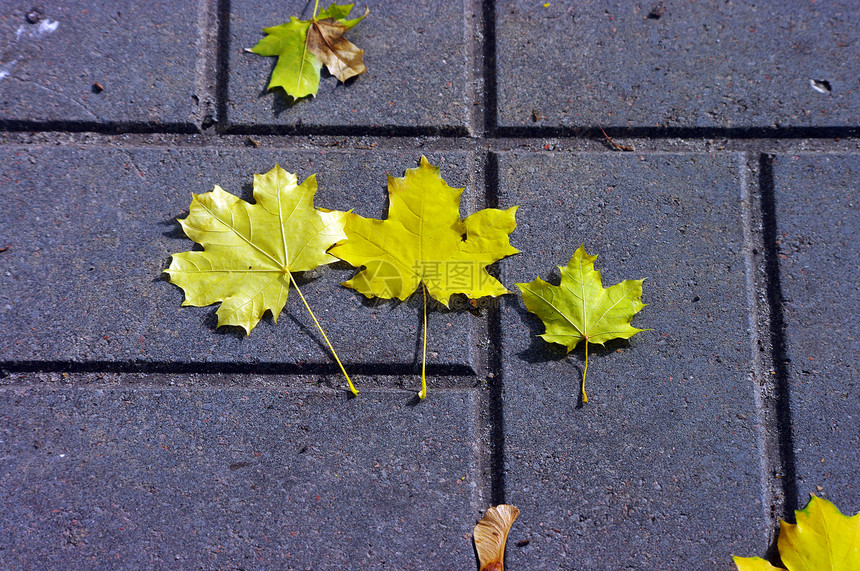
(581, 309)
(823, 539)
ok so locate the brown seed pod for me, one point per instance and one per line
(490, 536)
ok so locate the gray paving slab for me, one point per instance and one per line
(90, 230)
(660, 469)
(818, 229)
(100, 63)
(416, 58)
(218, 479)
(702, 64)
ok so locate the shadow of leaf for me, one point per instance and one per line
(174, 228)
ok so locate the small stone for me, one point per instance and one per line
(34, 15)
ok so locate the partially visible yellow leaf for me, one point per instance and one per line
(754, 564)
(823, 539)
(491, 534)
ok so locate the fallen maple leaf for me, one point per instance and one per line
(580, 309)
(424, 241)
(491, 534)
(304, 46)
(823, 539)
(250, 251)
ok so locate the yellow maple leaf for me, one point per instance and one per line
(251, 251)
(423, 242)
(823, 539)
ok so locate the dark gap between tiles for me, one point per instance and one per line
(497, 417)
(229, 368)
(583, 132)
(489, 49)
(347, 130)
(494, 361)
(116, 128)
(777, 336)
(222, 70)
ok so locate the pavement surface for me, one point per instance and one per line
(136, 435)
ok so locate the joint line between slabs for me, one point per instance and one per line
(780, 385)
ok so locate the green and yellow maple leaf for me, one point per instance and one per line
(580, 309)
(424, 241)
(304, 46)
(823, 539)
(251, 251)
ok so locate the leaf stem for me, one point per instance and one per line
(316, 5)
(423, 393)
(585, 370)
(314, 317)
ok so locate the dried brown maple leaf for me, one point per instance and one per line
(491, 534)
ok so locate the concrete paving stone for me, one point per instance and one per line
(660, 469)
(818, 230)
(742, 64)
(415, 53)
(229, 479)
(100, 63)
(89, 232)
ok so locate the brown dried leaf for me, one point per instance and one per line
(490, 536)
(342, 58)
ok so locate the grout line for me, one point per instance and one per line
(474, 92)
(427, 140)
(489, 68)
(222, 65)
(205, 85)
(449, 131)
(496, 417)
(780, 375)
(483, 448)
(494, 364)
(596, 132)
(119, 128)
(207, 368)
(766, 426)
(211, 387)
(491, 180)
